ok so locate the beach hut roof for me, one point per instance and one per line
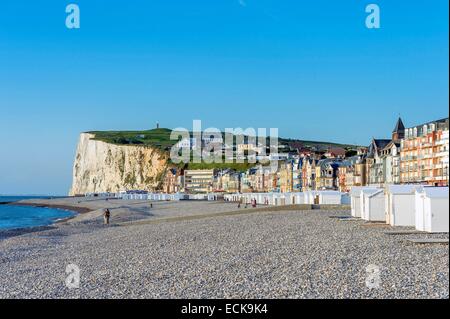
(329, 192)
(356, 190)
(436, 192)
(371, 191)
(402, 189)
(376, 192)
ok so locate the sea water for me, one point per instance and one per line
(12, 217)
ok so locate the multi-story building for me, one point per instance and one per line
(382, 158)
(374, 162)
(285, 177)
(297, 174)
(327, 174)
(350, 173)
(424, 154)
(198, 181)
(226, 181)
(264, 179)
(390, 156)
(309, 174)
(172, 181)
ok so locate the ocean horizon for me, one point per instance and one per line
(16, 217)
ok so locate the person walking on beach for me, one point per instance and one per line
(106, 215)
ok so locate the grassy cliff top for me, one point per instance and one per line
(161, 138)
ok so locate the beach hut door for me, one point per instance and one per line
(316, 200)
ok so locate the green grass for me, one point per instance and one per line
(159, 138)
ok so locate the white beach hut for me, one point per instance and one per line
(298, 197)
(400, 205)
(330, 197)
(311, 197)
(282, 199)
(355, 199)
(432, 209)
(290, 198)
(372, 204)
(306, 197)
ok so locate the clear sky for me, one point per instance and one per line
(310, 68)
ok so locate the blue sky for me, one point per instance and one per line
(310, 68)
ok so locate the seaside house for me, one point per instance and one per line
(390, 155)
(309, 174)
(327, 174)
(297, 174)
(382, 160)
(375, 161)
(172, 181)
(335, 152)
(227, 181)
(285, 177)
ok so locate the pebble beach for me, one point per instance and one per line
(194, 249)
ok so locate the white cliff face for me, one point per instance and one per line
(102, 167)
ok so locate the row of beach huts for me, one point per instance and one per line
(295, 198)
(165, 197)
(425, 208)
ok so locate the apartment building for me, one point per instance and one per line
(424, 154)
(198, 181)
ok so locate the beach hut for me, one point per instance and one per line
(355, 203)
(355, 199)
(400, 205)
(276, 199)
(292, 199)
(330, 197)
(372, 204)
(432, 209)
(306, 197)
(311, 197)
(298, 198)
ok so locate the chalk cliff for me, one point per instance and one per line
(104, 167)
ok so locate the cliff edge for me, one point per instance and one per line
(104, 167)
